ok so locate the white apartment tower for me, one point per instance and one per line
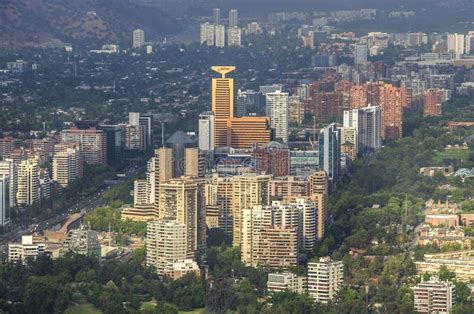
(233, 18)
(166, 243)
(28, 192)
(138, 38)
(207, 34)
(220, 36)
(456, 44)
(325, 279)
(234, 37)
(277, 110)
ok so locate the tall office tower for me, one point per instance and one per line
(277, 247)
(220, 36)
(222, 103)
(330, 152)
(246, 132)
(206, 131)
(433, 102)
(28, 249)
(216, 14)
(253, 220)
(166, 243)
(234, 37)
(67, 165)
(9, 169)
(248, 190)
(360, 54)
(138, 38)
(277, 107)
(219, 194)
(470, 43)
(325, 279)
(92, 143)
(456, 44)
(207, 34)
(367, 123)
(28, 183)
(114, 142)
(4, 200)
(183, 200)
(326, 106)
(434, 296)
(274, 160)
(233, 18)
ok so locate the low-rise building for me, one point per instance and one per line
(461, 263)
(442, 220)
(180, 268)
(278, 282)
(443, 236)
(27, 249)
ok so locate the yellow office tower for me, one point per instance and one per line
(222, 103)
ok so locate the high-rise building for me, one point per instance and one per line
(28, 192)
(4, 200)
(206, 131)
(138, 38)
(216, 14)
(318, 183)
(222, 103)
(434, 296)
(330, 151)
(277, 110)
(248, 101)
(234, 37)
(92, 143)
(183, 200)
(145, 121)
(207, 34)
(277, 247)
(360, 54)
(367, 124)
(470, 43)
(161, 170)
(114, 142)
(9, 169)
(325, 279)
(326, 106)
(233, 18)
(246, 132)
(67, 164)
(248, 190)
(219, 195)
(433, 100)
(296, 110)
(27, 250)
(288, 186)
(456, 44)
(274, 160)
(220, 36)
(166, 243)
(253, 220)
(392, 101)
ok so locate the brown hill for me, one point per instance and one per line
(35, 22)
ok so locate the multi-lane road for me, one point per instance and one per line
(84, 205)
